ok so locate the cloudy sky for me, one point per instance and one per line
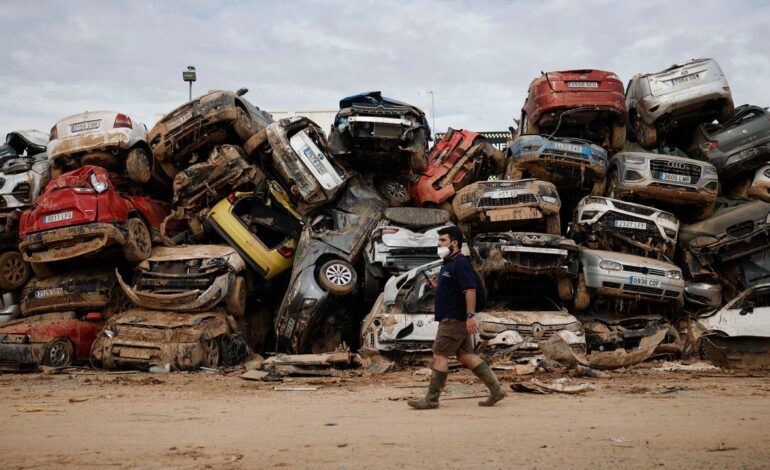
(61, 58)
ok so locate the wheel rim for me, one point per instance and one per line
(14, 270)
(395, 190)
(339, 275)
(58, 354)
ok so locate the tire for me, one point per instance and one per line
(647, 136)
(598, 188)
(255, 142)
(41, 270)
(139, 165)
(565, 289)
(618, 136)
(212, 352)
(553, 224)
(395, 193)
(337, 277)
(59, 353)
(611, 190)
(582, 296)
(235, 302)
(14, 271)
(726, 112)
(138, 242)
(244, 126)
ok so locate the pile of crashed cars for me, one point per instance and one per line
(611, 219)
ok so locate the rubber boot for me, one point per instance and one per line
(437, 384)
(496, 392)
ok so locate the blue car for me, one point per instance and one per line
(567, 162)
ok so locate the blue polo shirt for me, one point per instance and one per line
(456, 276)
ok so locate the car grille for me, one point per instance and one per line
(507, 201)
(55, 301)
(526, 331)
(650, 271)
(149, 335)
(176, 283)
(642, 289)
(740, 229)
(687, 169)
(635, 209)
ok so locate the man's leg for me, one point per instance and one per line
(482, 370)
(437, 384)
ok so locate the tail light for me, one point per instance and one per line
(707, 146)
(95, 316)
(286, 251)
(121, 120)
(231, 198)
(54, 133)
(390, 230)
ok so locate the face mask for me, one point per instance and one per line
(443, 251)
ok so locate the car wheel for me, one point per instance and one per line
(618, 136)
(59, 353)
(41, 270)
(235, 303)
(14, 271)
(701, 348)
(102, 159)
(394, 192)
(371, 285)
(565, 289)
(212, 353)
(255, 142)
(138, 242)
(612, 186)
(553, 224)
(337, 277)
(138, 165)
(582, 296)
(244, 126)
(647, 136)
(418, 161)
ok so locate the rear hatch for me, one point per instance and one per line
(582, 80)
(85, 123)
(682, 77)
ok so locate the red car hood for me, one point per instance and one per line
(41, 328)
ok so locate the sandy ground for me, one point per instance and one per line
(638, 418)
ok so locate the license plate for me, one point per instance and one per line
(179, 120)
(631, 224)
(48, 219)
(567, 147)
(685, 79)
(572, 84)
(643, 281)
(674, 178)
(315, 160)
(502, 193)
(85, 126)
(39, 294)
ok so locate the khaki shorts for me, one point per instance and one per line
(452, 339)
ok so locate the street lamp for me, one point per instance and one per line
(189, 76)
(432, 109)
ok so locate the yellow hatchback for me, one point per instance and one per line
(263, 227)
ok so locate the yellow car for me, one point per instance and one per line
(263, 227)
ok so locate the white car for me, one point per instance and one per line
(108, 139)
(748, 314)
(760, 187)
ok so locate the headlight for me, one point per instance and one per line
(588, 215)
(595, 200)
(574, 327)
(99, 186)
(710, 170)
(634, 159)
(110, 333)
(16, 339)
(670, 233)
(489, 327)
(309, 302)
(668, 217)
(610, 265)
(549, 199)
(676, 275)
(766, 172)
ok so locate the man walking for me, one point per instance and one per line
(455, 309)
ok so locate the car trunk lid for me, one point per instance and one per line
(68, 200)
(578, 80)
(85, 123)
(680, 78)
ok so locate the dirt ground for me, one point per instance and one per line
(640, 418)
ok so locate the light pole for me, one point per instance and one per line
(189, 76)
(432, 109)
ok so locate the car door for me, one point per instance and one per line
(749, 316)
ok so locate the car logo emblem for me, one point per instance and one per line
(677, 165)
(745, 131)
(684, 72)
(419, 323)
(537, 330)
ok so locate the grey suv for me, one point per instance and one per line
(696, 91)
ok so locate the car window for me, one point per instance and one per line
(758, 298)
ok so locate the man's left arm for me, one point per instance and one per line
(467, 280)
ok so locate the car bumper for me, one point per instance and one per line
(404, 333)
(69, 242)
(103, 141)
(653, 189)
(603, 101)
(684, 102)
(21, 357)
(745, 161)
(192, 301)
(562, 169)
(622, 284)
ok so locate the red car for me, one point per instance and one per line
(458, 159)
(53, 339)
(589, 104)
(85, 211)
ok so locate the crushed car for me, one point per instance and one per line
(140, 339)
(190, 278)
(678, 183)
(84, 212)
(404, 239)
(760, 186)
(458, 159)
(614, 225)
(9, 306)
(324, 270)
(23, 143)
(297, 151)
(500, 204)
(575, 165)
(374, 132)
(84, 290)
(577, 103)
(109, 139)
(659, 102)
(748, 314)
(185, 135)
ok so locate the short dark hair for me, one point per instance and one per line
(455, 235)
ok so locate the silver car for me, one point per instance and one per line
(618, 275)
(673, 182)
(696, 91)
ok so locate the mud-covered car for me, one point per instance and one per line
(621, 276)
(22, 179)
(9, 306)
(377, 132)
(748, 314)
(139, 339)
(84, 212)
(503, 204)
(299, 154)
(577, 103)
(760, 186)
(324, 268)
(736, 230)
(657, 102)
(85, 290)
(552, 259)
(190, 278)
(458, 159)
(14, 271)
(57, 339)
(186, 134)
(611, 224)
(610, 330)
(575, 165)
(675, 182)
(109, 139)
(404, 239)
(23, 143)
(262, 226)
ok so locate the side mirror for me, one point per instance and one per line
(746, 310)
(242, 91)
(94, 316)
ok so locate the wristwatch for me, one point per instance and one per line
(470, 314)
